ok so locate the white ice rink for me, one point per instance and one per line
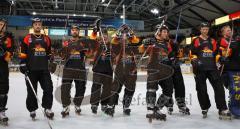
(19, 116)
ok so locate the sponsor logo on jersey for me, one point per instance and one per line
(74, 54)
(206, 52)
(39, 50)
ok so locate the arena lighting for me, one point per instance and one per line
(56, 4)
(34, 13)
(12, 2)
(89, 32)
(222, 20)
(235, 15)
(121, 16)
(190, 39)
(62, 14)
(82, 32)
(154, 11)
(227, 18)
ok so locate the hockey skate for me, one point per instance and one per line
(49, 114)
(126, 111)
(78, 110)
(104, 108)
(94, 109)
(65, 112)
(225, 115)
(155, 114)
(170, 110)
(184, 110)
(204, 113)
(33, 115)
(3, 119)
(110, 111)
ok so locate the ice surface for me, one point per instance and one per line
(19, 116)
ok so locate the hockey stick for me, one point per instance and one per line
(10, 7)
(159, 27)
(101, 33)
(124, 37)
(63, 39)
(178, 26)
(174, 60)
(29, 81)
(227, 53)
(98, 24)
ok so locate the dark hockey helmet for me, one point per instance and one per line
(204, 24)
(3, 20)
(75, 27)
(36, 20)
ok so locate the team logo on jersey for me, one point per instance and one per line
(206, 52)
(39, 50)
(74, 54)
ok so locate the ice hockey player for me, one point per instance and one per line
(6, 51)
(178, 82)
(35, 53)
(230, 60)
(124, 46)
(102, 70)
(75, 50)
(158, 49)
(203, 55)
